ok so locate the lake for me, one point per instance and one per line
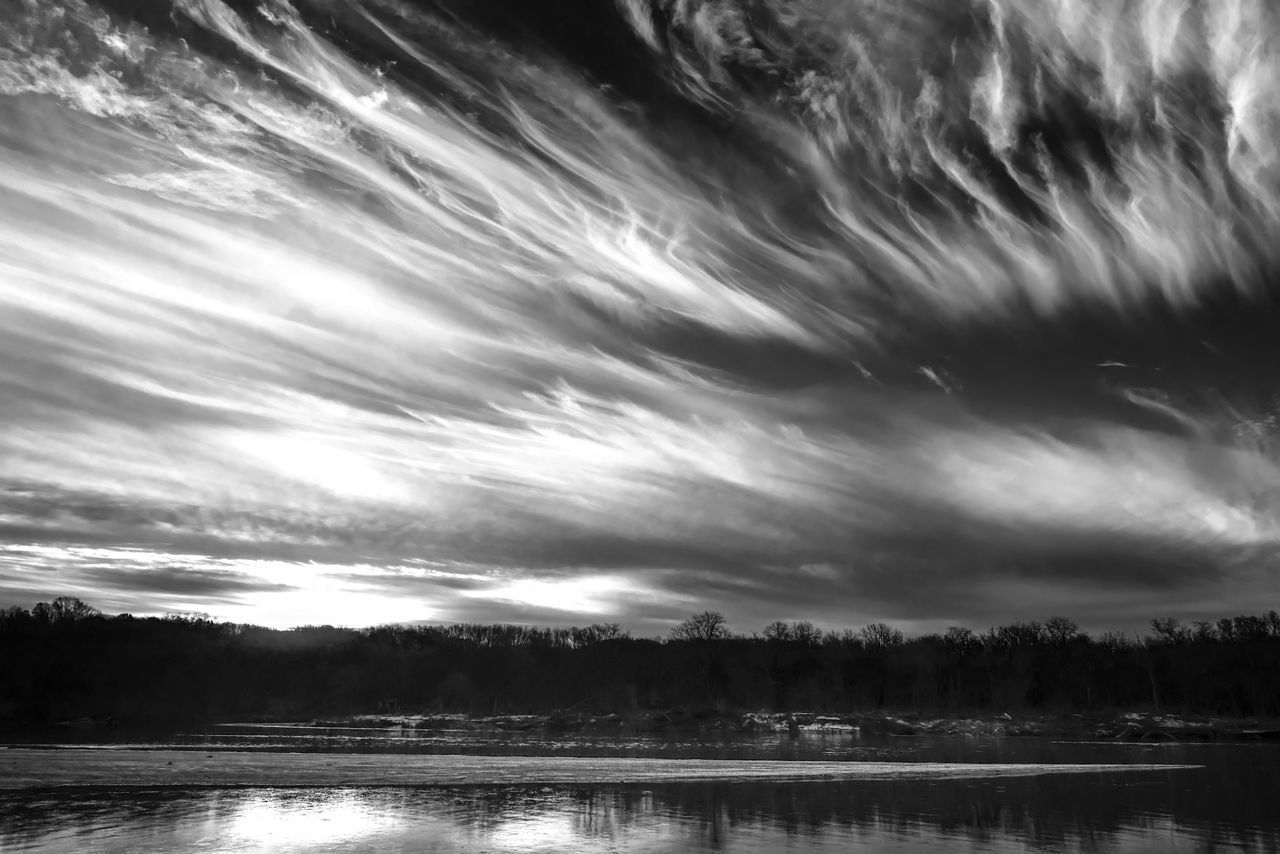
(1227, 803)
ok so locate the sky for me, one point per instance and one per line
(922, 312)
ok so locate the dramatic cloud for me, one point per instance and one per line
(356, 313)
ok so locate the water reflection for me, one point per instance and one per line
(1141, 812)
(1227, 805)
(304, 820)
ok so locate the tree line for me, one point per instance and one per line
(64, 660)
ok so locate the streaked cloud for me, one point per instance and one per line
(286, 335)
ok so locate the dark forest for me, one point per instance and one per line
(64, 660)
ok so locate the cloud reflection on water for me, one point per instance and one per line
(1223, 806)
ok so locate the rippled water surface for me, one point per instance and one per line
(1228, 804)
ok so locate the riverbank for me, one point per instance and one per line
(1120, 727)
(1131, 726)
(22, 768)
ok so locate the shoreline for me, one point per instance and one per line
(1129, 726)
(1142, 726)
(24, 768)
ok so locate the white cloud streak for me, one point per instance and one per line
(346, 316)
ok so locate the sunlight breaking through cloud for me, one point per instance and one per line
(351, 285)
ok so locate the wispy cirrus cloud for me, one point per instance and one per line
(269, 311)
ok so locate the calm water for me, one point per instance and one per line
(1231, 804)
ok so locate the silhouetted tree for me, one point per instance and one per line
(958, 637)
(1170, 630)
(62, 660)
(1060, 630)
(706, 626)
(1204, 631)
(806, 633)
(879, 636)
(777, 631)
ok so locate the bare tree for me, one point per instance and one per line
(1204, 631)
(806, 633)
(1060, 630)
(881, 636)
(777, 631)
(959, 637)
(62, 608)
(1015, 636)
(1170, 630)
(707, 626)
(595, 633)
